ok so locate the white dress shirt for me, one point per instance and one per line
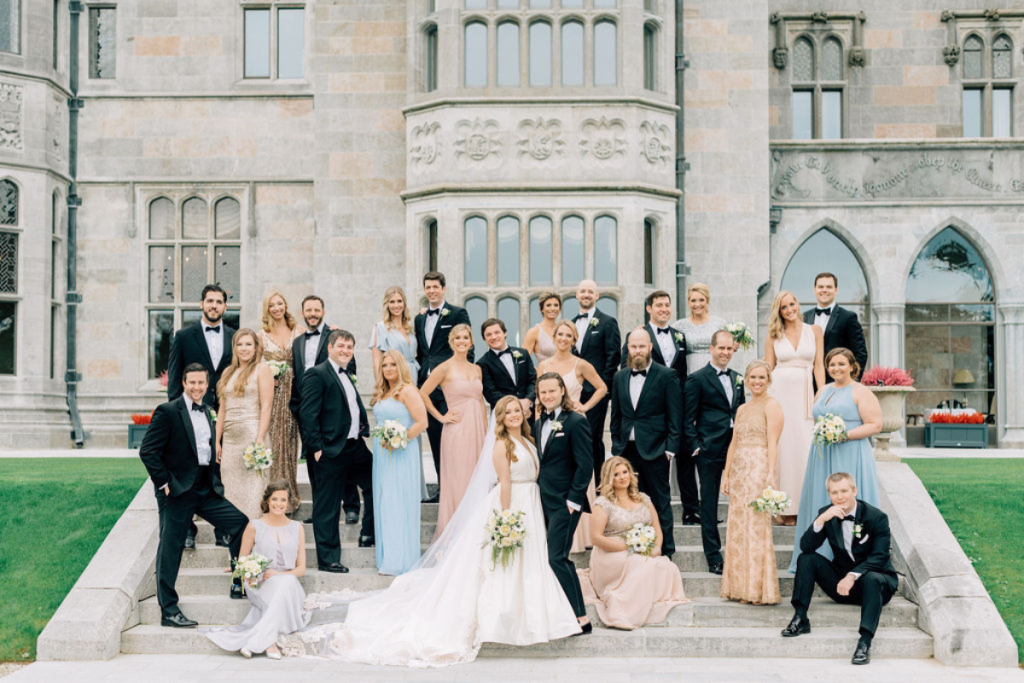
(350, 396)
(820, 319)
(636, 387)
(430, 324)
(726, 381)
(666, 343)
(508, 361)
(581, 327)
(214, 341)
(312, 346)
(201, 427)
(847, 525)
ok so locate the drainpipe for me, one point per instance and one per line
(682, 269)
(73, 298)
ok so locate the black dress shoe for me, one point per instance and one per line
(224, 540)
(434, 498)
(351, 517)
(691, 520)
(179, 620)
(366, 541)
(797, 626)
(308, 520)
(333, 568)
(236, 592)
(190, 542)
(716, 568)
(862, 655)
(585, 629)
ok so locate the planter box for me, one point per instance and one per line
(955, 435)
(136, 433)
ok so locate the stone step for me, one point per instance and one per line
(687, 557)
(704, 612)
(824, 642)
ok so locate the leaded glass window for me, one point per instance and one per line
(987, 105)
(8, 263)
(1002, 58)
(228, 219)
(8, 203)
(817, 78)
(10, 26)
(803, 60)
(832, 60)
(973, 54)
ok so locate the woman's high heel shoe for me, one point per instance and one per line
(276, 654)
(245, 653)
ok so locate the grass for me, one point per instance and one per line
(982, 500)
(56, 513)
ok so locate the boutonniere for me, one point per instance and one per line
(679, 337)
(352, 378)
(213, 415)
(517, 355)
(739, 380)
(556, 426)
(594, 322)
(445, 312)
(857, 530)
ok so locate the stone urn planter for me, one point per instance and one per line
(891, 399)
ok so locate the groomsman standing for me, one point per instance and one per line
(334, 424)
(432, 349)
(841, 327)
(668, 348)
(308, 351)
(207, 343)
(647, 426)
(506, 370)
(597, 343)
(713, 394)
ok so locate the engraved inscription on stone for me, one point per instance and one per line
(11, 117)
(540, 138)
(656, 141)
(426, 143)
(477, 139)
(603, 138)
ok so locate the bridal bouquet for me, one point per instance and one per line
(278, 367)
(258, 457)
(740, 334)
(829, 429)
(771, 501)
(249, 568)
(506, 531)
(640, 539)
(392, 435)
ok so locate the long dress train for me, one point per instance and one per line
(792, 386)
(242, 487)
(396, 495)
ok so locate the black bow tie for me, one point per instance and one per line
(213, 329)
(545, 415)
(581, 316)
(723, 373)
(433, 311)
(823, 311)
(313, 333)
(662, 330)
(502, 353)
(849, 518)
(634, 373)
(198, 407)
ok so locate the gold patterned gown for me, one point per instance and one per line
(283, 436)
(242, 487)
(750, 573)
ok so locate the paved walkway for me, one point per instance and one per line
(216, 669)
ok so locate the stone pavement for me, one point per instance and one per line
(216, 669)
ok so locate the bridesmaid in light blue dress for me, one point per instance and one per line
(859, 409)
(397, 472)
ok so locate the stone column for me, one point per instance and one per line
(887, 349)
(1010, 373)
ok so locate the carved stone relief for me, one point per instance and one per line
(477, 139)
(426, 144)
(603, 138)
(11, 117)
(540, 138)
(656, 142)
(57, 127)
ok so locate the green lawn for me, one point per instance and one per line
(55, 513)
(982, 500)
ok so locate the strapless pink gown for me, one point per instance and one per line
(460, 444)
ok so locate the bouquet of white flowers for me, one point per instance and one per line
(506, 531)
(829, 429)
(278, 367)
(740, 334)
(640, 539)
(771, 501)
(258, 457)
(392, 435)
(249, 568)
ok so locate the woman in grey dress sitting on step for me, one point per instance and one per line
(277, 603)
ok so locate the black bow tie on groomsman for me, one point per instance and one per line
(579, 317)
(823, 311)
(198, 407)
(546, 415)
(213, 329)
(634, 373)
(662, 330)
(723, 373)
(433, 311)
(313, 333)
(849, 518)
(502, 353)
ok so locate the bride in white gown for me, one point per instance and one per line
(442, 611)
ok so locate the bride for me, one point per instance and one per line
(455, 599)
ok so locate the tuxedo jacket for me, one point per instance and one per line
(678, 363)
(299, 365)
(169, 448)
(708, 412)
(870, 551)
(324, 416)
(189, 346)
(566, 463)
(657, 418)
(497, 380)
(429, 356)
(843, 331)
(600, 348)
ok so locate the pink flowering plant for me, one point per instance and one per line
(880, 376)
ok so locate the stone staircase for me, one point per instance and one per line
(708, 627)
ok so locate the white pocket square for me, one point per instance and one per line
(559, 436)
(864, 539)
(444, 327)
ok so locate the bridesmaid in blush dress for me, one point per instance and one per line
(750, 573)
(465, 423)
(795, 356)
(540, 338)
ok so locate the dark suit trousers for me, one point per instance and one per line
(175, 517)
(686, 476)
(596, 417)
(871, 591)
(561, 527)
(653, 476)
(434, 429)
(351, 498)
(709, 471)
(333, 474)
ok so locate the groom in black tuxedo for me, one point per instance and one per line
(207, 343)
(308, 351)
(179, 455)
(860, 572)
(647, 426)
(841, 327)
(713, 394)
(564, 448)
(432, 328)
(334, 424)
(506, 370)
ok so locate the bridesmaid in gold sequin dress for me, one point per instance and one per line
(750, 574)
(278, 332)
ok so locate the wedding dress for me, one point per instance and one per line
(442, 611)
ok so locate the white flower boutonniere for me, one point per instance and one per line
(739, 380)
(679, 337)
(858, 529)
(517, 355)
(213, 416)
(594, 322)
(556, 426)
(352, 378)
(445, 312)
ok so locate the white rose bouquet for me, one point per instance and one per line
(258, 457)
(771, 501)
(740, 334)
(250, 568)
(278, 367)
(829, 429)
(391, 435)
(640, 539)
(506, 531)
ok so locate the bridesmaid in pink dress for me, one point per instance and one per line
(539, 338)
(465, 423)
(795, 355)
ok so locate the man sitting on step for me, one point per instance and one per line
(861, 572)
